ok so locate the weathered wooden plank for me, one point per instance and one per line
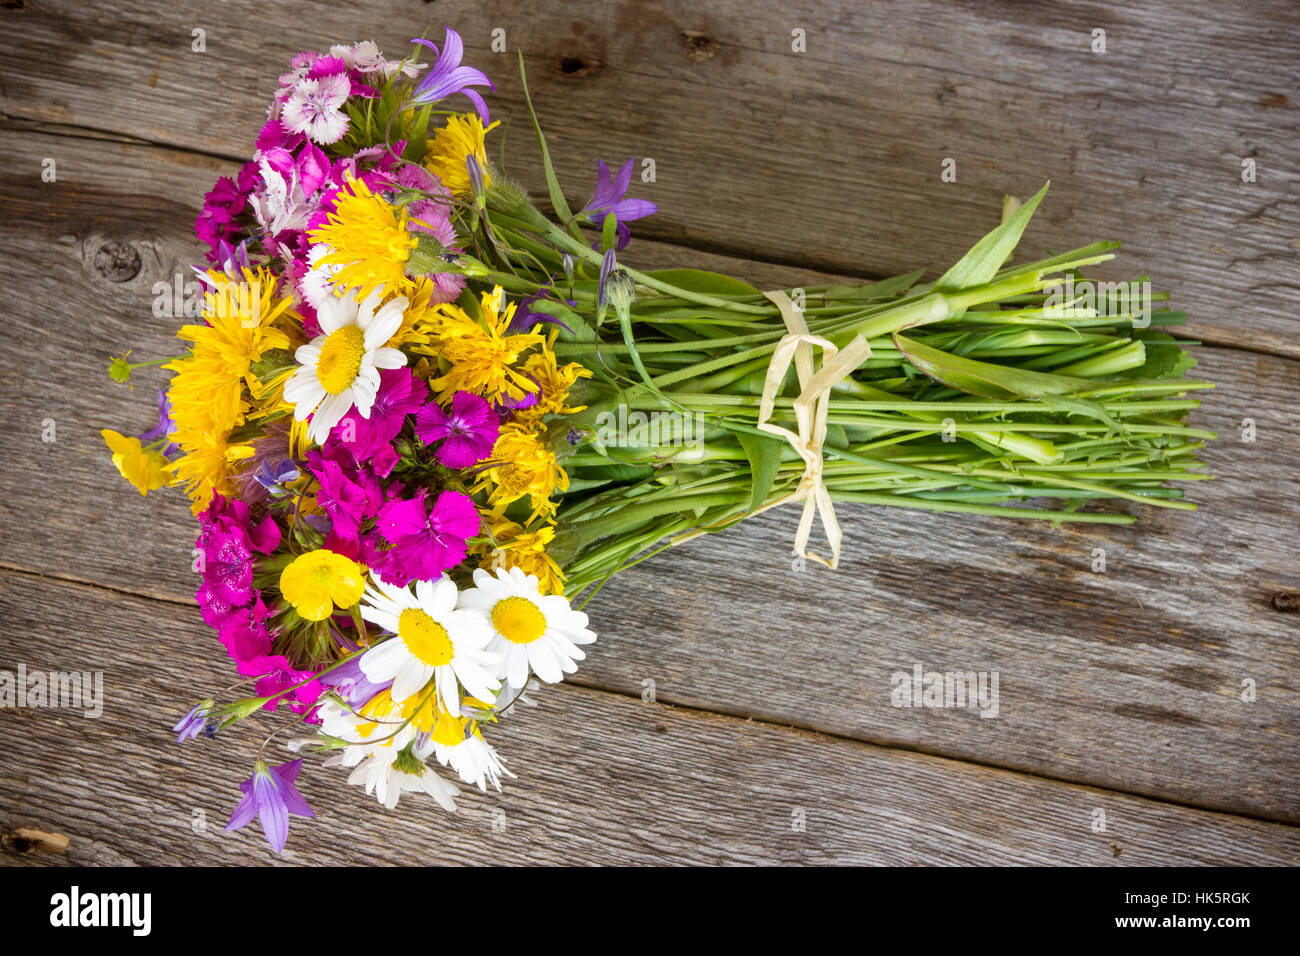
(602, 778)
(1128, 678)
(830, 157)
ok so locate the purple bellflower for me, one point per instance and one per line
(446, 77)
(611, 197)
(192, 724)
(270, 794)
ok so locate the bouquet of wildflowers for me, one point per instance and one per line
(418, 418)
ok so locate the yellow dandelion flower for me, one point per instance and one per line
(481, 356)
(416, 320)
(525, 466)
(143, 467)
(368, 241)
(315, 582)
(242, 323)
(210, 391)
(463, 136)
(206, 465)
(555, 383)
(525, 550)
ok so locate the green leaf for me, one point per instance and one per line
(1165, 357)
(764, 454)
(984, 378)
(987, 256)
(616, 472)
(1082, 406)
(558, 202)
(705, 283)
(873, 291)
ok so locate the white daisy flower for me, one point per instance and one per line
(388, 779)
(434, 640)
(469, 755)
(379, 726)
(339, 369)
(530, 630)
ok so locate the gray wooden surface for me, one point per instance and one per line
(1120, 691)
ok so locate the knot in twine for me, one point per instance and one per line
(810, 411)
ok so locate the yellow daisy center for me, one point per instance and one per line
(340, 358)
(518, 620)
(448, 731)
(424, 637)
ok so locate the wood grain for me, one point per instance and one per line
(829, 158)
(1128, 679)
(601, 778)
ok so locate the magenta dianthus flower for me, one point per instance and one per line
(467, 432)
(424, 541)
(370, 439)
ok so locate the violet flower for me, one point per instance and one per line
(467, 432)
(270, 795)
(446, 76)
(273, 477)
(608, 264)
(526, 316)
(164, 427)
(350, 682)
(611, 197)
(192, 724)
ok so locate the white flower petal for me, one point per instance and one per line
(389, 358)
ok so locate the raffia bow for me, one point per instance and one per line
(810, 411)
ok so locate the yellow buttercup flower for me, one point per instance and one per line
(368, 241)
(143, 467)
(463, 136)
(481, 356)
(317, 581)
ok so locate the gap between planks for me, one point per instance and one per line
(864, 741)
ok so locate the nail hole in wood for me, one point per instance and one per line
(576, 66)
(699, 45)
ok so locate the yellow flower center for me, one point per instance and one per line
(340, 358)
(518, 620)
(400, 245)
(424, 637)
(448, 731)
